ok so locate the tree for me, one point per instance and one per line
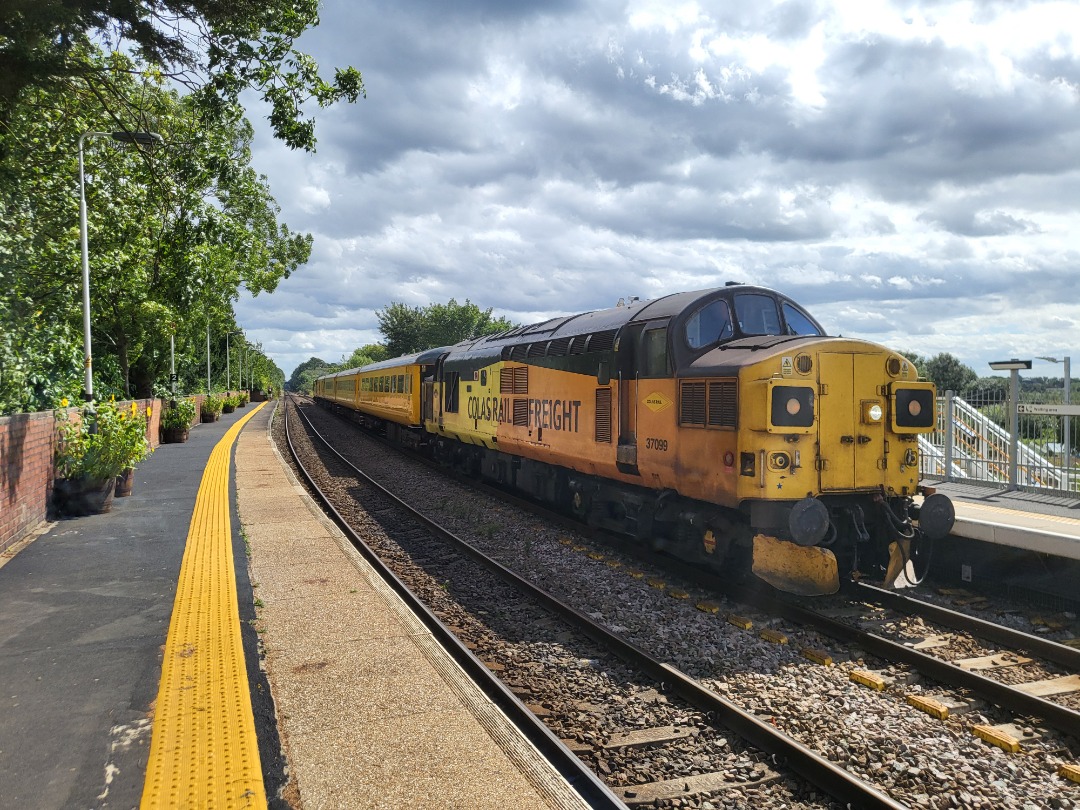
(365, 356)
(413, 329)
(305, 373)
(216, 50)
(174, 233)
(949, 374)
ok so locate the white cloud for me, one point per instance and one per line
(905, 170)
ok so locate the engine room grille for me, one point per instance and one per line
(723, 404)
(514, 380)
(603, 415)
(712, 404)
(692, 404)
(521, 412)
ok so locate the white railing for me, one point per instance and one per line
(968, 445)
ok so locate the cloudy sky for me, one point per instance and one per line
(909, 172)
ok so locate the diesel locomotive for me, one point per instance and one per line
(722, 426)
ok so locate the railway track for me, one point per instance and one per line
(905, 762)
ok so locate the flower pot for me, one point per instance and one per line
(210, 417)
(228, 408)
(174, 435)
(74, 497)
(124, 482)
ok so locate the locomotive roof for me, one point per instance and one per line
(599, 320)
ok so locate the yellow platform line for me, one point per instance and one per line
(204, 751)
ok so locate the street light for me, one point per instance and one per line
(1066, 427)
(140, 139)
(228, 375)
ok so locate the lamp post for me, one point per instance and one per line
(228, 374)
(1066, 426)
(140, 139)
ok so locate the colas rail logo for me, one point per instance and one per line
(657, 402)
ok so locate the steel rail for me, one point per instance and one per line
(587, 784)
(784, 749)
(1007, 697)
(1068, 657)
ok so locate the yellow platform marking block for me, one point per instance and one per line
(867, 679)
(741, 622)
(817, 656)
(775, 636)
(635, 573)
(657, 583)
(678, 593)
(565, 541)
(595, 555)
(994, 736)
(204, 751)
(1069, 771)
(934, 708)
(708, 607)
(614, 564)
(580, 548)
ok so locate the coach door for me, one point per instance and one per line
(851, 449)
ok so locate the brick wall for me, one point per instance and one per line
(27, 443)
(26, 473)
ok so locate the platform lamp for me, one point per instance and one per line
(139, 139)
(228, 373)
(1066, 426)
(1013, 367)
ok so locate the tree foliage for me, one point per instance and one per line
(213, 49)
(414, 329)
(949, 374)
(174, 233)
(304, 375)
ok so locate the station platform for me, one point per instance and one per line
(1046, 524)
(212, 640)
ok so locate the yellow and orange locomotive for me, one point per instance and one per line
(713, 424)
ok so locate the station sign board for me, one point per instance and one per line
(1048, 410)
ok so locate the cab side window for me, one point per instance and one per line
(654, 361)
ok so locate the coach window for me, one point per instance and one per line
(401, 383)
(654, 353)
(708, 325)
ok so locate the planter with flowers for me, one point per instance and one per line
(229, 403)
(176, 421)
(244, 398)
(211, 409)
(92, 451)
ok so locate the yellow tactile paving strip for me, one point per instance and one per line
(204, 751)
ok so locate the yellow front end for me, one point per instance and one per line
(839, 418)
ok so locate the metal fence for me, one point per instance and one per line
(974, 443)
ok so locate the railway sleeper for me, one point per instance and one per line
(694, 786)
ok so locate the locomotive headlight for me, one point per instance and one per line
(872, 412)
